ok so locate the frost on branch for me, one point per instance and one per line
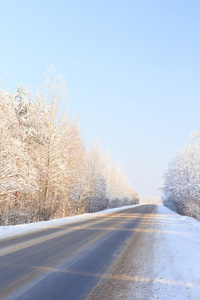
(182, 180)
(46, 171)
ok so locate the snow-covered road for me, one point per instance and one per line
(160, 261)
(68, 261)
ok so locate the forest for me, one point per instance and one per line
(46, 171)
(182, 180)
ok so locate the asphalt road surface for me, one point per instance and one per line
(66, 262)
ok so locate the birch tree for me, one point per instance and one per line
(45, 169)
(13, 157)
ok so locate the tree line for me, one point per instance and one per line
(182, 180)
(46, 172)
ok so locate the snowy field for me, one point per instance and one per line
(16, 230)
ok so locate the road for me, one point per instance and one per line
(67, 262)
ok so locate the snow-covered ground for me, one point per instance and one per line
(168, 264)
(176, 273)
(16, 230)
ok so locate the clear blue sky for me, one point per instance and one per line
(132, 69)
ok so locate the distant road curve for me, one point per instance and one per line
(66, 262)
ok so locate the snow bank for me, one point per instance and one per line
(162, 260)
(176, 256)
(16, 230)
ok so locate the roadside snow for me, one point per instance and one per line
(161, 261)
(16, 230)
(168, 265)
(176, 256)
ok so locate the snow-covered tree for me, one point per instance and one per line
(45, 169)
(182, 180)
(15, 169)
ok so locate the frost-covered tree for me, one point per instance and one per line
(14, 160)
(45, 169)
(59, 150)
(182, 180)
(95, 181)
(111, 187)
